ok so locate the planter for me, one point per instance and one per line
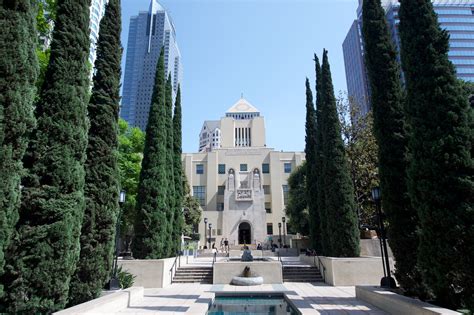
(244, 281)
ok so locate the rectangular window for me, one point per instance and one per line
(220, 190)
(266, 189)
(268, 207)
(220, 206)
(199, 192)
(219, 232)
(285, 194)
(221, 169)
(269, 228)
(287, 167)
(266, 168)
(199, 169)
(243, 167)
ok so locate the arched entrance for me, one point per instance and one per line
(244, 233)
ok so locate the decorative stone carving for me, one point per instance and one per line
(243, 195)
(231, 181)
(256, 180)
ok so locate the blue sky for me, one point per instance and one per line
(261, 48)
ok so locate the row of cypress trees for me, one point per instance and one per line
(425, 135)
(333, 223)
(18, 74)
(159, 220)
(58, 243)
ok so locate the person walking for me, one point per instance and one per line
(226, 245)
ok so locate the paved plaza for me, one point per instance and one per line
(195, 299)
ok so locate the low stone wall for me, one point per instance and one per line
(371, 247)
(271, 271)
(393, 303)
(352, 271)
(107, 304)
(149, 273)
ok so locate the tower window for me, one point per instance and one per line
(199, 169)
(243, 167)
(221, 169)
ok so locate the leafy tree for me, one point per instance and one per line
(172, 243)
(311, 174)
(18, 72)
(43, 256)
(297, 209)
(152, 218)
(440, 174)
(192, 210)
(389, 126)
(178, 171)
(102, 173)
(45, 18)
(467, 87)
(361, 152)
(341, 217)
(131, 145)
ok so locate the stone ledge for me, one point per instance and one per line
(109, 303)
(393, 303)
(342, 271)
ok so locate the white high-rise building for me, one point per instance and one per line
(97, 12)
(149, 32)
(241, 184)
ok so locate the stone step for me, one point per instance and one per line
(201, 282)
(192, 278)
(303, 280)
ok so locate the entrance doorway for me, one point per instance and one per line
(244, 233)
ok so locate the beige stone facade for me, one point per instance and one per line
(241, 184)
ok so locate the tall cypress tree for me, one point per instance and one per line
(310, 169)
(151, 220)
(339, 194)
(170, 245)
(389, 120)
(18, 73)
(178, 171)
(440, 174)
(320, 193)
(102, 178)
(44, 255)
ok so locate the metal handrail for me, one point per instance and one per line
(319, 267)
(173, 266)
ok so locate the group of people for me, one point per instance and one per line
(223, 248)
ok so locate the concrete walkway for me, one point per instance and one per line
(195, 298)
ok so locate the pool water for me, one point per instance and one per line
(251, 305)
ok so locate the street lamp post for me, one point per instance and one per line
(283, 219)
(205, 231)
(210, 226)
(279, 233)
(387, 281)
(114, 283)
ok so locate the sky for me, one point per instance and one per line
(262, 49)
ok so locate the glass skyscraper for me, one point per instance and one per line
(148, 33)
(456, 16)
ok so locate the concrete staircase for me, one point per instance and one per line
(301, 274)
(201, 274)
